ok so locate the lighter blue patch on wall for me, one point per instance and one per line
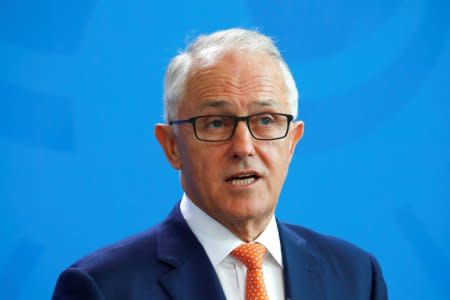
(47, 26)
(35, 119)
(316, 29)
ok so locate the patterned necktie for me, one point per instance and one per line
(252, 255)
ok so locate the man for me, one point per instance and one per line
(230, 107)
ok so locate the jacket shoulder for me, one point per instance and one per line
(335, 253)
(325, 244)
(115, 271)
(137, 248)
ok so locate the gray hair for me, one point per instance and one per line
(206, 49)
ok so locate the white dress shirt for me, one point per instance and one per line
(218, 243)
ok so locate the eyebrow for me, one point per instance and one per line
(265, 103)
(214, 104)
(225, 104)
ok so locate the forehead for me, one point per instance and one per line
(235, 80)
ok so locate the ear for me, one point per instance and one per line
(297, 134)
(166, 138)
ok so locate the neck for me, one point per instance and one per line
(248, 230)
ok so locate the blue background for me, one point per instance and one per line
(81, 88)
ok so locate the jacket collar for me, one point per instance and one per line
(302, 273)
(192, 275)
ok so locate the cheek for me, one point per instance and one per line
(203, 162)
(275, 155)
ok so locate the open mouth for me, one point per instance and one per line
(243, 179)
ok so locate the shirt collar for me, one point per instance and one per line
(218, 241)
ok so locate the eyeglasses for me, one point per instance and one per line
(220, 128)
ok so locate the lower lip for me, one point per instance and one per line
(243, 186)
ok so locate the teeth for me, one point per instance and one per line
(245, 181)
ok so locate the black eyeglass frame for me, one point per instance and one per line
(236, 120)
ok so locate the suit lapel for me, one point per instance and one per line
(302, 276)
(192, 275)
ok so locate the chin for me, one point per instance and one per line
(250, 211)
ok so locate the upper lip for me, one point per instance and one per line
(243, 173)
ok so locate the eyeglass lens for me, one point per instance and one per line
(261, 126)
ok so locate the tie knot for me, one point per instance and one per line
(251, 255)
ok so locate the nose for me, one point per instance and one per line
(242, 141)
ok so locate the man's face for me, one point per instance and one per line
(237, 84)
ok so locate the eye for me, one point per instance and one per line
(215, 123)
(265, 120)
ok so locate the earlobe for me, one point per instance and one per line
(166, 139)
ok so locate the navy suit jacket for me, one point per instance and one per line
(168, 262)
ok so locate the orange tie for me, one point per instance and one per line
(252, 255)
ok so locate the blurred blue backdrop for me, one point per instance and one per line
(81, 88)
